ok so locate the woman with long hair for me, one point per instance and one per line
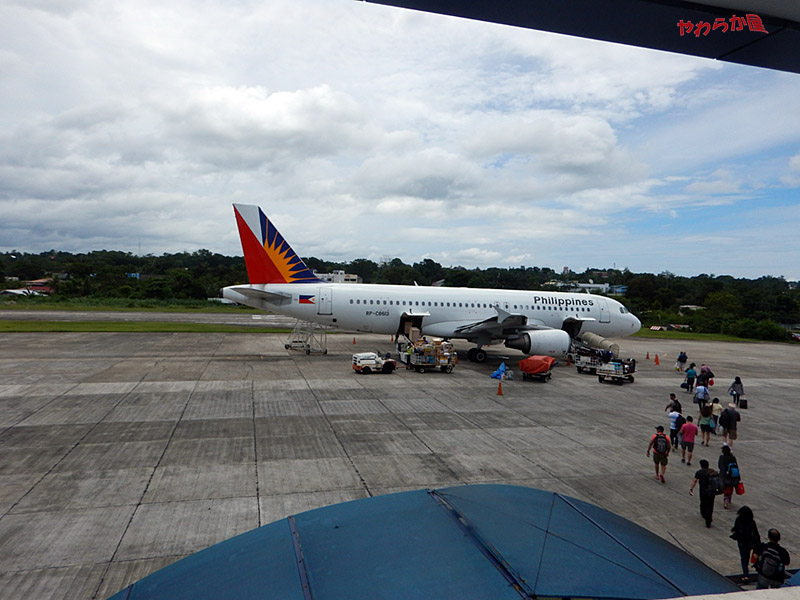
(745, 532)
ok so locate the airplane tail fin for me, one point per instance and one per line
(268, 257)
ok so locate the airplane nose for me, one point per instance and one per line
(636, 325)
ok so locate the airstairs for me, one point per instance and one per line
(308, 337)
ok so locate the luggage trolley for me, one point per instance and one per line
(537, 367)
(618, 371)
(426, 356)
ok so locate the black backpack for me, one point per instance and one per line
(714, 486)
(680, 421)
(770, 564)
(660, 444)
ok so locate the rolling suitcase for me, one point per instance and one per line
(743, 403)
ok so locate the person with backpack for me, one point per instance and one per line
(673, 404)
(771, 562)
(729, 471)
(729, 420)
(661, 446)
(745, 532)
(709, 482)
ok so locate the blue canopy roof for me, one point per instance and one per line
(477, 541)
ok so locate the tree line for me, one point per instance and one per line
(760, 308)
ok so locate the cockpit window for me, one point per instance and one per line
(623, 310)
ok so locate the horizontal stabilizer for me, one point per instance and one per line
(256, 293)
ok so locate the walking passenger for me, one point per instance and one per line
(716, 411)
(674, 427)
(729, 420)
(691, 375)
(745, 532)
(688, 433)
(661, 447)
(706, 424)
(736, 390)
(771, 562)
(729, 471)
(702, 478)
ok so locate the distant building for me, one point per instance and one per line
(338, 277)
(689, 307)
(34, 287)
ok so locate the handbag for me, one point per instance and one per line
(739, 488)
(710, 382)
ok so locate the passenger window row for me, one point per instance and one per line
(461, 305)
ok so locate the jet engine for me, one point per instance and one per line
(550, 342)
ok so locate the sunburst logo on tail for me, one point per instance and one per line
(269, 258)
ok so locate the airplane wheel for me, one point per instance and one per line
(480, 355)
(471, 354)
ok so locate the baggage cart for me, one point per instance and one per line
(537, 367)
(618, 371)
(423, 355)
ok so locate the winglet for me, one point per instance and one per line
(268, 257)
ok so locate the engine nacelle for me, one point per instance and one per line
(549, 342)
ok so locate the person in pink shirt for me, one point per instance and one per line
(687, 434)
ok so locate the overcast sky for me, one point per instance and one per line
(366, 131)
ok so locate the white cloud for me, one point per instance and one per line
(366, 130)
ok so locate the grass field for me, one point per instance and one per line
(21, 326)
(684, 335)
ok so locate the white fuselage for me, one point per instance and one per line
(375, 308)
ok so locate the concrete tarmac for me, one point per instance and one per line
(123, 452)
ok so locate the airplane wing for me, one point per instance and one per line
(506, 323)
(496, 326)
(761, 33)
(257, 293)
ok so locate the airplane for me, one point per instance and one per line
(534, 322)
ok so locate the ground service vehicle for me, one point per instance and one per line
(618, 371)
(423, 355)
(372, 362)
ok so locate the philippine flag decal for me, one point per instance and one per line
(307, 299)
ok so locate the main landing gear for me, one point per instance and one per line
(476, 355)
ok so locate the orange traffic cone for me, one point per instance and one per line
(658, 363)
(499, 388)
(569, 362)
(648, 356)
(354, 340)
